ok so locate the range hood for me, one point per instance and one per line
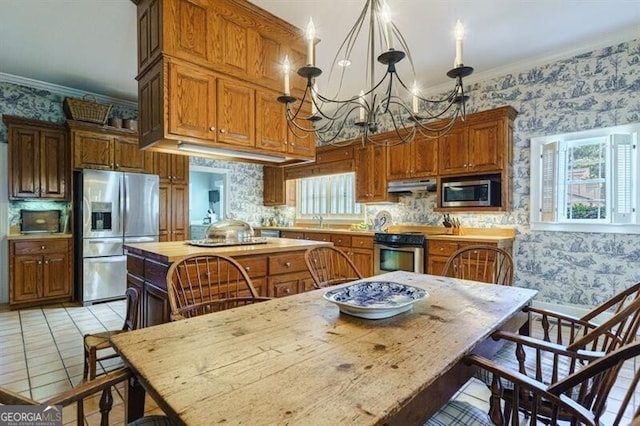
(412, 185)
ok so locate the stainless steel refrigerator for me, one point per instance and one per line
(111, 209)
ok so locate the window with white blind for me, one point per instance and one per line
(586, 181)
(332, 196)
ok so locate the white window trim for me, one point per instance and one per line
(536, 222)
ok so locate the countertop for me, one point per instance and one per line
(170, 251)
(433, 232)
(38, 236)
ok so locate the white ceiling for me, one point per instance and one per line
(91, 44)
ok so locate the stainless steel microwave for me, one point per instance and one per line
(471, 193)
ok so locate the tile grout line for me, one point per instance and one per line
(66, 371)
(24, 352)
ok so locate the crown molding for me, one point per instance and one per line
(63, 90)
(623, 36)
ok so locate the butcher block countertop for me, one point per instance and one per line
(170, 251)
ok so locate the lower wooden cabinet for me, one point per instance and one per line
(40, 271)
(274, 275)
(439, 251)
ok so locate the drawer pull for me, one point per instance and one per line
(287, 290)
(42, 247)
(247, 268)
(287, 264)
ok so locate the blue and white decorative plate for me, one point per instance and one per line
(375, 299)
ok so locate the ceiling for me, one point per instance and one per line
(90, 45)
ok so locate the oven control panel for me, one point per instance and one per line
(406, 239)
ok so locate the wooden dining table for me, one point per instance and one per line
(298, 360)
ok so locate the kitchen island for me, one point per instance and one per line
(276, 268)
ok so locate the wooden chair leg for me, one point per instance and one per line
(92, 359)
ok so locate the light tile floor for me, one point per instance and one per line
(41, 355)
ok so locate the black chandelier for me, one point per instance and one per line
(389, 99)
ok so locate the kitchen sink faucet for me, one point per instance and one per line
(319, 218)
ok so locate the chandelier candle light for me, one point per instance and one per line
(388, 101)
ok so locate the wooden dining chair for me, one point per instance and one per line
(203, 283)
(534, 402)
(99, 342)
(330, 266)
(577, 343)
(489, 264)
(102, 386)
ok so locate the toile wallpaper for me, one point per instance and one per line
(595, 89)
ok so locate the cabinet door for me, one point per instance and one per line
(236, 115)
(363, 178)
(128, 155)
(156, 306)
(27, 276)
(271, 123)
(453, 152)
(164, 212)
(266, 54)
(231, 39)
(486, 153)
(192, 94)
(24, 158)
(54, 166)
(92, 150)
(55, 275)
(302, 143)
(274, 186)
(179, 168)
(399, 161)
(363, 259)
(190, 37)
(436, 265)
(378, 174)
(425, 157)
(179, 212)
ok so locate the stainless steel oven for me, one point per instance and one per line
(399, 252)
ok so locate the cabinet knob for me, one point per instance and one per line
(212, 128)
(117, 164)
(470, 165)
(287, 290)
(223, 131)
(287, 264)
(42, 247)
(46, 262)
(247, 268)
(111, 165)
(39, 262)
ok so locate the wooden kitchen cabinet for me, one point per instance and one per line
(210, 73)
(439, 251)
(415, 159)
(100, 147)
(40, 271)
(371, 174)
(277, 191)
(171, 168)
(38, 159)
(173, 195)
(288, 274)
(482, 144)
(173, 214)
(359, 249)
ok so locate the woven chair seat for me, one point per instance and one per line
(459, 413)
(100, 340)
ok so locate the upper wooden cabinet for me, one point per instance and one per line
(233, 37)
(415, 159)
(371, 176)
(38, 159)
(210, 73)
(99, 147)
(171, 168)
(479, 145)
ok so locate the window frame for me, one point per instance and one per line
(546, 199)
(329, 217)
